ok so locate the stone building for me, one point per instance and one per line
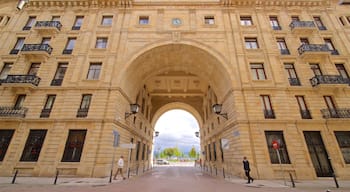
(72, 72)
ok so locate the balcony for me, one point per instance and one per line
(269, 114)
(13, 112)
(21, 81)
(329, 80)
(284, 51)
(305, 114)
(48, 27)
(82, 113)
(294, 82)
(45, 113)
(335, 113)
(313, 51)
(36, 50)
(56, 82)
(303, 27)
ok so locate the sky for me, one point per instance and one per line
(177, 128)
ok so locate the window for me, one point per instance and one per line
(78, 22)
(295, 18)
(246, 20)
(137, 150)
(45, 112)
(258, 71)
(209, 152)
(5, 139)
(342, 21)
(304, 111)
(74, 146)
(332, 109)
(319, 23)
(342, 71)
(209, 20)
(70, 45)
(272, 136)
(33, 145)
(84, 105)
(348, 18)
(267, 107)
(282, 46)
(55, 18)
(94, 71)
(107, 20)
(143, 152)
(316, 69)
(101, 42)
(304, 41)
(343, 138)
(34, 68)
(19, 101)
(292, 74)
(274, 23)
(330, 46)
(143, 20)
(60, 72)
(46, 40)
(251, 43)
(18, 46)
(30, 23)
(214, 150)
(221, 150)
(5, 70)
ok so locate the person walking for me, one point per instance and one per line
(246, 168)
(120, 168)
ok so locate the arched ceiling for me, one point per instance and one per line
(176, 73)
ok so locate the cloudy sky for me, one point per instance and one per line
(176, 128)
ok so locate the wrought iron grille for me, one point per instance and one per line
(294, 81)
(305, 114)
(12, 111)
(313, 48)
(22, 79)
(335, 113)
(269, 114)
(295, 24)
(56, 24)
(328, 79)
(37, 47)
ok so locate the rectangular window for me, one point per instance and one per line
(342, 71)
(209, 152)
(295, 18)
(316, 69)
(33, 145)
(70, 45)
(143, 20)
(251, 43)
(45, 40)
(137, 150)
(60, 72)
(19, 101)
(267, 107)
(18, 46)
(342, 21)
(74, 146)
(5, 140)
(304, 41)
(30, 23)
(292, 74)
(34, 68)
(209, 20)
(50, 100)
(282, 46)
(304, 111)
(107, 20)
(94, 71)
(214, 150)
(343, 138)
(319, 23)
(277, 136)
(330, 46)
(348, 18)
(246, 20)
(101, 42)
(84, 105)
(274, 23)
(5, 70)
(329, 102)
(78, 22)
(258, 71)
(143, 151)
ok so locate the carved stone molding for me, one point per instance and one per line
(81, 3)
(229, 3)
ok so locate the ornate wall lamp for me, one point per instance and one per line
(156, 134)
(196, 133)
(217, 109)
(134, 108)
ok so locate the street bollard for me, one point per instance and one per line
(292, 180)
(335, 180)
(216, 171)
(223, 172)
(128, 172)
(57, 172)
(14, 177)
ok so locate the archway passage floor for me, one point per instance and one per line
(163, 179)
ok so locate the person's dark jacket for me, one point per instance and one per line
(246, 165)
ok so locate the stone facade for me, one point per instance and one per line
(277, 67)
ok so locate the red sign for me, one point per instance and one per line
(275, 144)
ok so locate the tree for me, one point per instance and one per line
(171, 152)
(192, 153)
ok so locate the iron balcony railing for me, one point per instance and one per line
(335, 113)
(328, 79)
(305, 114)
(55, 24)
(304, 24)
(269, 114)
(13, 111)
(285, 51)
(82, 112)
(37, 47)
(45, 113)
(56, 82)
(32, 79)
(294, 81)
(313, 48)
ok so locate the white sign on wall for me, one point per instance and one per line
(225, 144)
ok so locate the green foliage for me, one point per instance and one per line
(192, 153)
(171, 152)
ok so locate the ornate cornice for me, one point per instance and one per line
(80, 3)
(282, 3)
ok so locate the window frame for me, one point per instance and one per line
(246, 20)
(78, 22)
(101, 42)
(68, 49)
(278, 136)
(251, 43)
(6, 68)
(6, 136)
(144, 20)
(94, 73)
(35, 141)
(30, 23)
(209, 20)
(344, 144)
(258, 71)
(274, 23)
(107, 20)
(77, 145)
